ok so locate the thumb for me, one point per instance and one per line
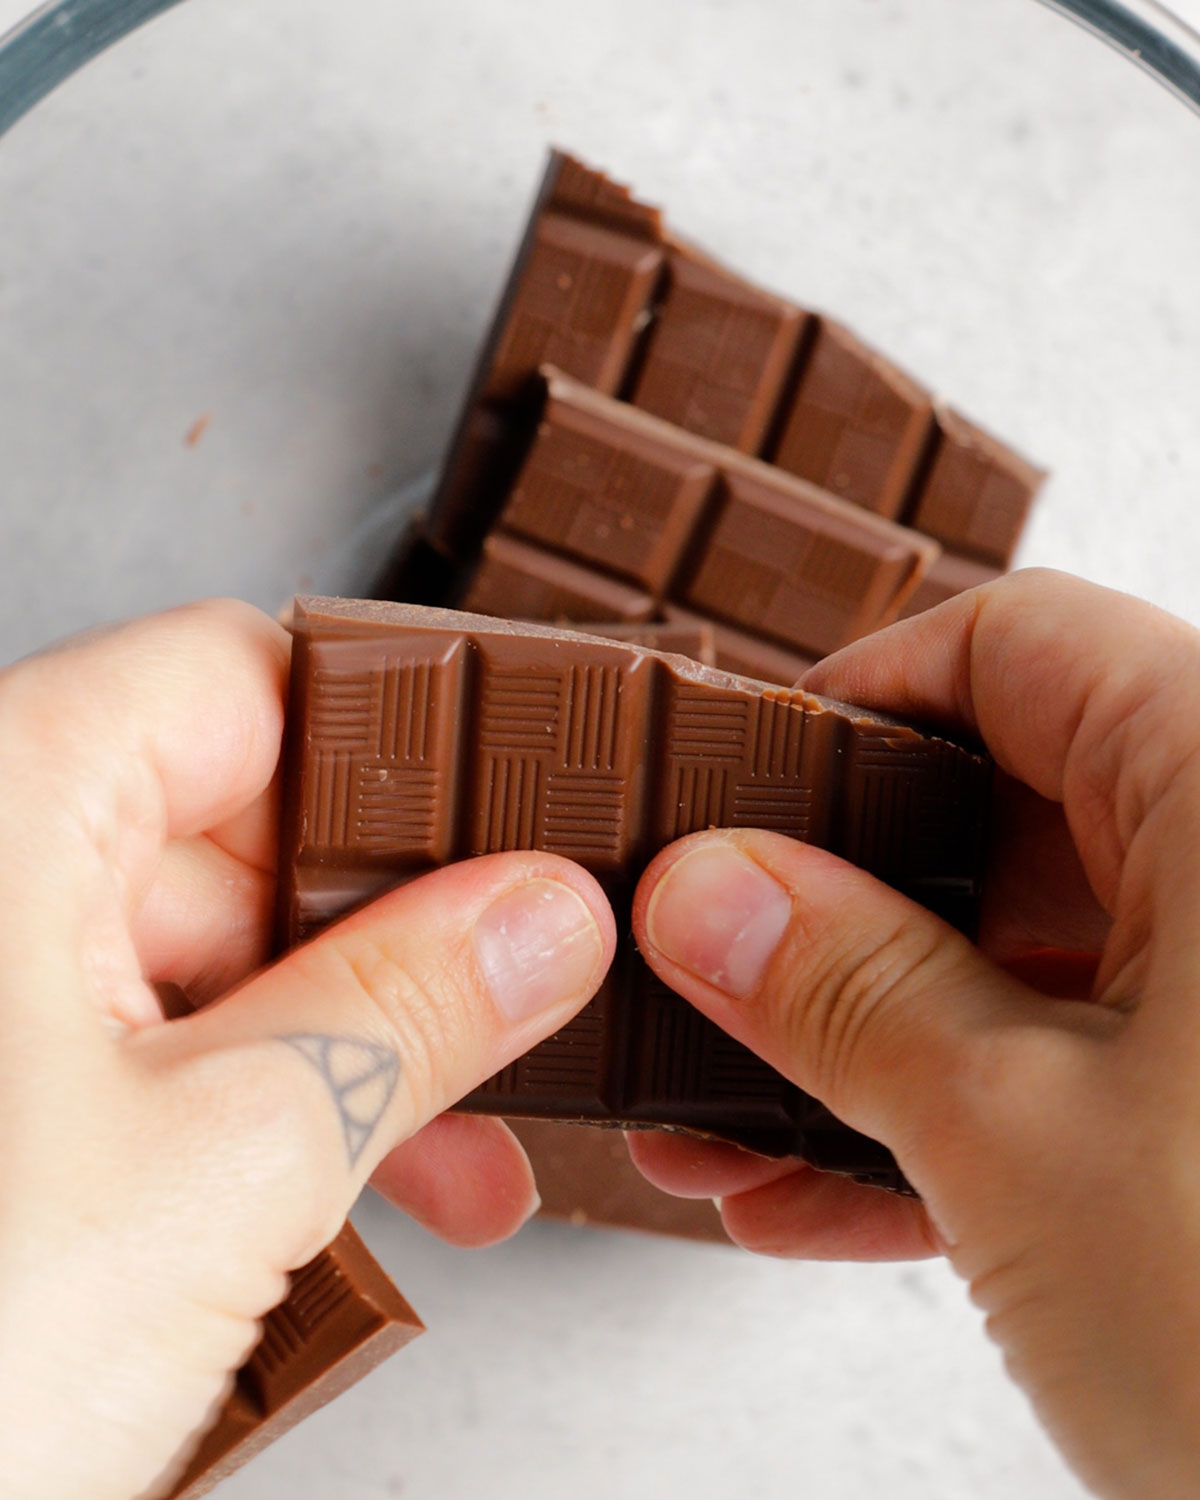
(309, 1074)
(862, 998)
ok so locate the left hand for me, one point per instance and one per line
(160, 1180)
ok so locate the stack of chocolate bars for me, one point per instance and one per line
(708, 480)
(649, 437)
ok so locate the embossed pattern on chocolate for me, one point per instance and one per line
(418, 736)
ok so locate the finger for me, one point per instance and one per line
(862, 998)
(1088, 696)
(691, 1168)
(206, 921)
(465, 1177)
(353, 1042)
(810, 1215)
(174, 725)
(112, 745)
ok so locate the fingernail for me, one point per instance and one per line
(720, 916)
(537, 946)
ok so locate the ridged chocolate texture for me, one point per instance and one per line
(635, 500)
(602, 289)
(341, 1318)
(420, 736)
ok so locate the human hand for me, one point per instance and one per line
(1040, 1089)
(160, 1179)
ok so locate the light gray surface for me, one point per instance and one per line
(293, 220)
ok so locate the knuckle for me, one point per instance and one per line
(852, 1002)
(424, 1009)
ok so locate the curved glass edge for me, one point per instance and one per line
(1152, 37)
(56, 40)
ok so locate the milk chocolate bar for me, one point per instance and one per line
(419, 736)
(585, 1177)
(679, 637)
(670, 518)
(341, 1318)
(604, 291)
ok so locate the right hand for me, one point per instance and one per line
(1052, 1128)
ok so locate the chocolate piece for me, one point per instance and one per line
(948, 576)
(857, 425)
(586, 1177)
(539, 315)
(790, 567)
(977, 494)
(580, 304)
(717, 355)
(515, 579)
(609, 490)
(341, 1318)
(419, 736)
(680, 637)
(750, 656)
(601, 288)
(727, 536)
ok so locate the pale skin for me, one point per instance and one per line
(160, 1179)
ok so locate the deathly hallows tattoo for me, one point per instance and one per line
(361, 1077)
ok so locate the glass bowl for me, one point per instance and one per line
(245, 261)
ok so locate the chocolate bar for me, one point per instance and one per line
(658, 516)
(585, 1177)
(679, 637)
(419, 736)
(341, 1318)
(604, 291)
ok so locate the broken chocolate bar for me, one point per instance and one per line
(586, 1177)
(680, 637)
(604, 291)
(419, 736)
(658, 516)
(341, 1318)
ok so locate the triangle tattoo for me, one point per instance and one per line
(361, 1076)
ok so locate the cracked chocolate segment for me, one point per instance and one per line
(580, 292)
(625, 496)
(857, 425)
(341, 1318)
(419, 735)
(718, 355)
(679, 637)
(580, 305)
(603, 289)
(613, 493)
(585, 1177)
(977, 495)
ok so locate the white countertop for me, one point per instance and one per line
(287, 226)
